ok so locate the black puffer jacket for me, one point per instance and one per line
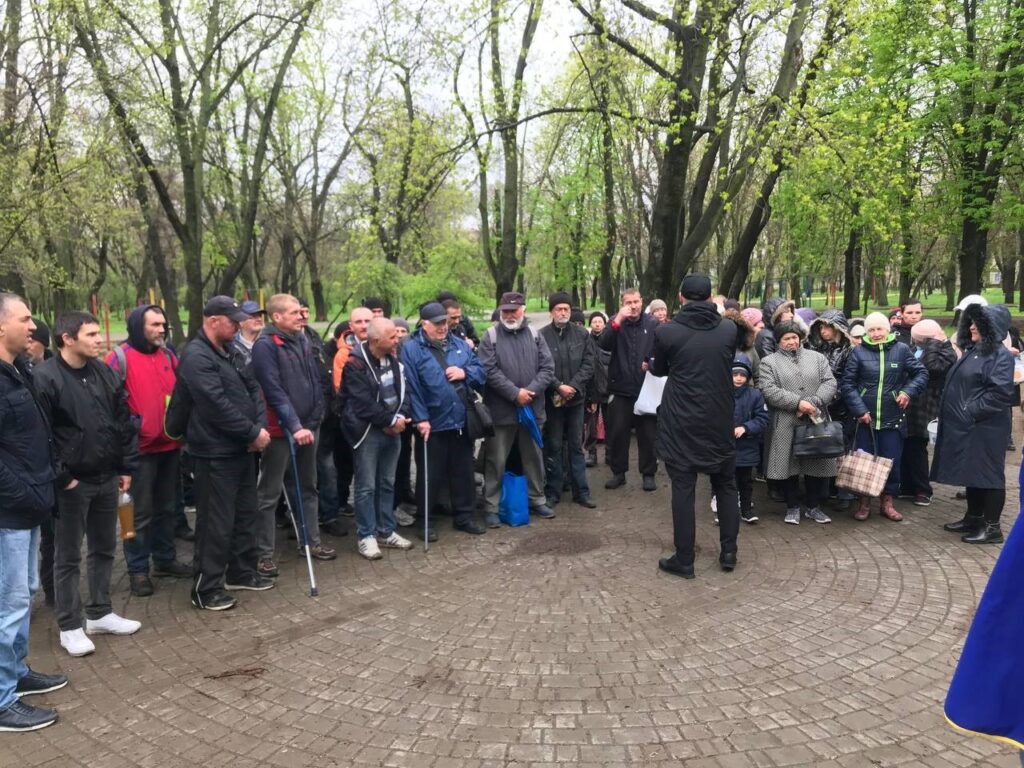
(974, 415)
(875, 375)
(26, 452)
(836, 352)
(92, 427)
(227, 409)
(631, 345)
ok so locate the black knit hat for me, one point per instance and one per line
(788, 326)
(41, 333)
(559, 297)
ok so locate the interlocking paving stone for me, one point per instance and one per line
(555, 644)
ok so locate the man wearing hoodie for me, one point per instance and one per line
(696, 433)
(97, 450)
(26, 501)
(149, 369)
(286, 367)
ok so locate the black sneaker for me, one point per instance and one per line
(471, 527)
(215, 601)
(586, 501)
(749, 517)
(615, 481)
(20, 716)
(649, 483)
(336, 528)
(140, 585)
(36, 682)
(251, 582)
(347, 511)
(543, 510)
(173, 569)
(431, 533)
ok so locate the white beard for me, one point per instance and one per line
(512, 325)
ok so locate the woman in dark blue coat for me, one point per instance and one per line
(881, 377)
(975, 422)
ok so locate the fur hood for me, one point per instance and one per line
(836, 320)
(749, 334)
(768, 310)
(993, 324)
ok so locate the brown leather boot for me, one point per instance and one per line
(863, 509)
(888, 510)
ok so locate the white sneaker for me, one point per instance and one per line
(368, 548)
(404, 517)
(76, 643)
(793, 516)
(817, 516)
(112, 624)
(394, 541)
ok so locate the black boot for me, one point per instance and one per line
(989, 533)
(969, 525)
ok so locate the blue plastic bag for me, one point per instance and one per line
(514, 508)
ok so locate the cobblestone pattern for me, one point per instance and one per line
(555, 644)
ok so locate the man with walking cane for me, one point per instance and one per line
(440, 369)
(227, 422)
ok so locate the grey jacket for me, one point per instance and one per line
(514, 360)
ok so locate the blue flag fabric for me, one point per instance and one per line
(985, 697)
(529, 421)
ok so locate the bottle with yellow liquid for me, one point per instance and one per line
(126, 515)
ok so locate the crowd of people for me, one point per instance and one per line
(271, 433)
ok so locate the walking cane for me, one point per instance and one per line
(299, 516)
(426, 498)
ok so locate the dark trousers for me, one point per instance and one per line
(914, 467)
(449, 467)
(47, 546)
(890, 445)
(155, 490)
(745, 485)
(619, 422)
(404, 493)
(590, 423)
(563, 436)
(986, 503)
(225, 521)
(88, 510)
(345, 461)
(815, 491)
(723, 485)
(328, 508)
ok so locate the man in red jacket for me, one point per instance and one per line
(148, 369)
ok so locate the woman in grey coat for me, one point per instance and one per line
(796, 382)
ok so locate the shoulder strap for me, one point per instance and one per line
(492, 334)
(122, 362)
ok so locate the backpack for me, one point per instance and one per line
(177, 410)
(122, 360)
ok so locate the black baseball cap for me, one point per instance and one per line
(434, 312)
(225, 305)
(511, 300)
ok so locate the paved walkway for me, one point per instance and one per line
(558, 643)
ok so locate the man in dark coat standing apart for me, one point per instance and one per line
(695, 420)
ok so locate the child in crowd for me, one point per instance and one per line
(750, 418)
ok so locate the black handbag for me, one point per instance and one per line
(479, 423)
(819, 441)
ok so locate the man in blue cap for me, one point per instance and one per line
(249, 330)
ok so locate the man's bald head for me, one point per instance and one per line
(383, 336)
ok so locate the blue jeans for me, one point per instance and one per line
(565, 425)
(19, 580)
(890, 446)
(376, 459)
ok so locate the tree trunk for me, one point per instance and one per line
(851, 272)
(949, 284)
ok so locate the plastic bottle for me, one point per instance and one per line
(126, 515)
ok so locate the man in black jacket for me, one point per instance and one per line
(630, 338)
(573, 353)
(26, 499)
(374, 413)
(227, 422)
(97, 451)
(287, 367)
(695, 421)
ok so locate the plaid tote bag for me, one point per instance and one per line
(863, 473)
